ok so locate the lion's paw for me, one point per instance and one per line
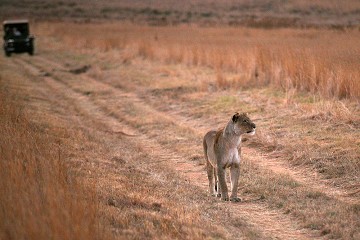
(225, 198)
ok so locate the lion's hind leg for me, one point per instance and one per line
(212, 180)
(217, 185)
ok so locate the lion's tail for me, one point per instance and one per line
(205, 148)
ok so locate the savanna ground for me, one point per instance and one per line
(69, 172)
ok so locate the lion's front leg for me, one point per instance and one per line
(235, 174)
(222, 184)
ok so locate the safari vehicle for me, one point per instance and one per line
(17, 38)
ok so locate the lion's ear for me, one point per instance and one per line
(235, 117)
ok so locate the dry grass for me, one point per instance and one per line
(310, 71)
(303, 122)
(311, 135)
(39, 197)
(315, 209)
(322, 62)
(44, 191)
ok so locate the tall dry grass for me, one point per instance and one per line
(39, 198)
(323, 62)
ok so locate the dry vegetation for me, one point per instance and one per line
(63, 177)
(322, 62)
(66, 173)
(203, 72)
(39, 198)
(308, 127)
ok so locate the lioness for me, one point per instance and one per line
(221, 150)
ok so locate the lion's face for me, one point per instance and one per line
(243, 124)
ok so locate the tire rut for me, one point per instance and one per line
(271, 222)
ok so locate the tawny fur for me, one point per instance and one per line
(222, 150)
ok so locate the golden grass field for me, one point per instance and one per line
(40, 198)
(323, 62)
(68, 172)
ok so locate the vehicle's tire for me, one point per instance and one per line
(31, 52)
(8, 54)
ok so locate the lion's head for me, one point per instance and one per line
(242, 124)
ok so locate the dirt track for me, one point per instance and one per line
(97, 105)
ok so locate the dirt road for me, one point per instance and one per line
(165, 134)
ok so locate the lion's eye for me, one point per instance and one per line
(244, 120)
